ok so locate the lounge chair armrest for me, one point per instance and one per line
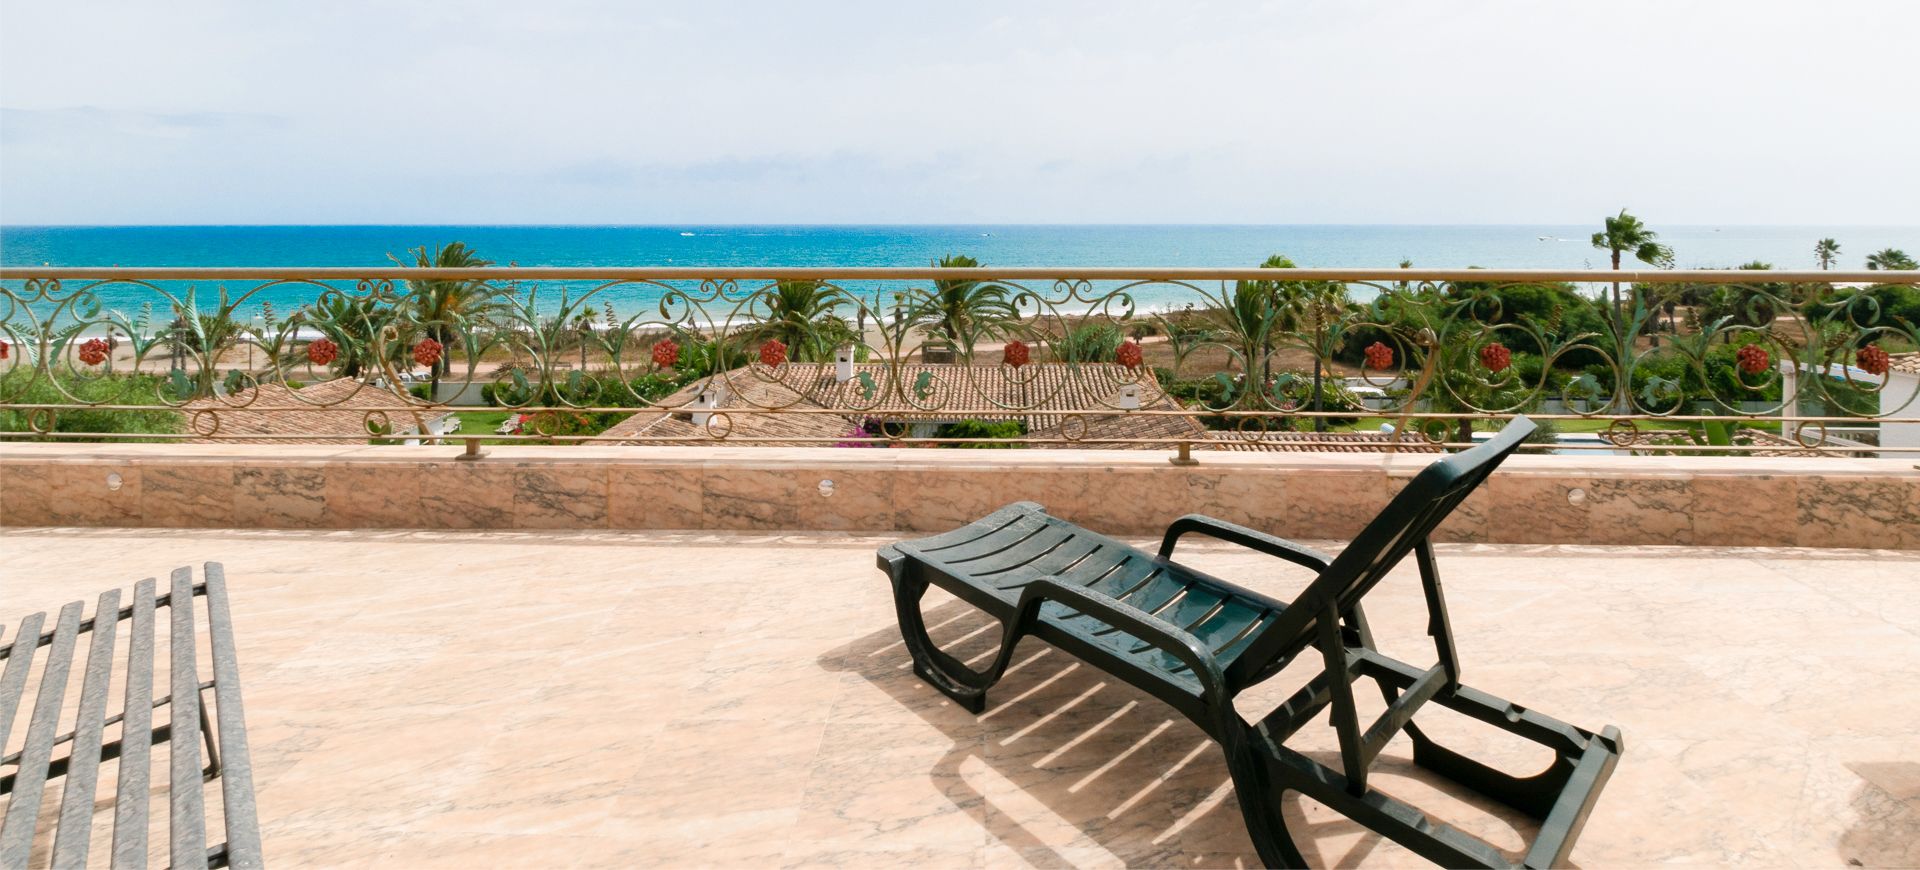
(1139, 623)
(1238, 534)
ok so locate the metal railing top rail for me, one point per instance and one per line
(1092, 273)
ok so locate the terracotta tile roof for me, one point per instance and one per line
(1319, 442)
(1076, 403)
(1647, 442)
(343, 407)
(1905, 362)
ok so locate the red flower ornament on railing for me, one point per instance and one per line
(1379, 357)
(1015, 354)
(1872, 359)
(1129, 354)
(427, 352)
(322, 351)
(1496, 357)
(665, 353)
(773, 353)
(93, 351)
(1752, 359)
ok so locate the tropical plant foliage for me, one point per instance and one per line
(963, 311)
(1264, 344)
(1826, 251)
(25, 386)
(445, 309)
(804, 316)
(1891, 259)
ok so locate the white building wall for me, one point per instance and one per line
(1900, 401)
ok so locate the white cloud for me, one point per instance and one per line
(615, 112)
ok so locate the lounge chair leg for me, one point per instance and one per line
(964, 685)
(1259, 797)
(1533, 795)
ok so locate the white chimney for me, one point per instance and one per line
(843, 364)
(713, 395)
(1129, 397)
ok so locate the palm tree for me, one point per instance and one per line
(356, 325)
(1826, 250)
(1254, 313)
(444, 306)
(963, 309)
(1621, 234)
(583, 324)
(206, 335)
(1251, 314)
(1625, 233)
(800, 313)
(1456, 389)
(1315, 311)
(1891, 259)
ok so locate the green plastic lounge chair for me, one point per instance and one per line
(1196, 641)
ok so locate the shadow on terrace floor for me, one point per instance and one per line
(1065, 746)
(1889, 806)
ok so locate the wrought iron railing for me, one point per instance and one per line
(1299, 359)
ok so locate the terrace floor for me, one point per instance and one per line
(426, 699)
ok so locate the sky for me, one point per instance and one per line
(1293, 111)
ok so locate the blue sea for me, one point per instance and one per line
(1518, 246)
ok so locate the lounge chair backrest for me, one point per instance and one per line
(1408, 519)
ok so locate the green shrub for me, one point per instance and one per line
(1089, 342)
(1668, 380)
(1201, 393)
(640, 392)
(568, 423)
(1557, 311)
(1297, 389)
(983, 429)
(1896, 305)
(698, 357)
(24, 386)
(650, 388)
(1545, 432)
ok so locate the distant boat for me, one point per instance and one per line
(686, 234)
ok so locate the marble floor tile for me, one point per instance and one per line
(656, 699)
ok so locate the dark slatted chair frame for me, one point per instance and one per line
(28, 771)
(1196, 641)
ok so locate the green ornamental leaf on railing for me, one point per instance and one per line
(180, 387)
(1659, 390)
(1586, 387)
(1227, 391)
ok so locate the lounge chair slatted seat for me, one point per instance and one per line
(1196, 641)
(27, 774)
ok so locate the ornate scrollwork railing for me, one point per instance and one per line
(1674, 361)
